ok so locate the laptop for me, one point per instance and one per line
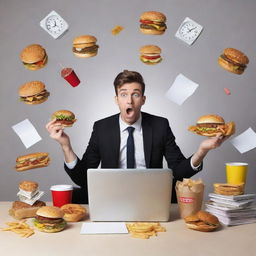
(129, 194)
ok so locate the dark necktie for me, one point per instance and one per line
(130, 148)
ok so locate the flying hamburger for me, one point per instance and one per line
(202, 221)
(33, 92)
(33, 57)
(49, 219)
(31, 161)
(212, 125)
(233, 61)
(64, 117)
(150, 54)
(85, 46)
(153, 23)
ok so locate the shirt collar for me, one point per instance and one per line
(136, 125)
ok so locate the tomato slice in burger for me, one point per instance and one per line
(146, 21)
(151, 57)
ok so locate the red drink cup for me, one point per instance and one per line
(61, 194)
(69, 75)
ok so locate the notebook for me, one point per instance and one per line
(129, 194)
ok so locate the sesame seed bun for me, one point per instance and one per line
(85, 55)
(28, 185)
(85, 39)
(210, 119)
(151, 32)
(32, 53)
(236, 56)
(50, 212)
(152, 15)
(63, 112)
(150, 49)
(31, 88)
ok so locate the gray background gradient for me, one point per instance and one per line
(229, 23)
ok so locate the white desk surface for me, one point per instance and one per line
(177, 241)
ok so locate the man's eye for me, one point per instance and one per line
(136, 95)
(123, 94)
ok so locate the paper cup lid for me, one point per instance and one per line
(237, 164)
(61, 187)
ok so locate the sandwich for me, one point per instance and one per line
(33, 92)
(150, 54)
(73, 212)
(153, 23)
(233, 61)
(202, 221)
(212, 125)
(31, 161)
(33, 57)
(28, 186)
(21, 210)
(49, 219)
(64, 117)
(85, 46)
(228, 189)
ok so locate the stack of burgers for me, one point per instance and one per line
(29, 203)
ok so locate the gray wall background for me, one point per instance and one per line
(227, 23)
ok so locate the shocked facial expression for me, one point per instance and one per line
(130, 100)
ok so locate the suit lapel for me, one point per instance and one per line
(115, 139)
(147, 138)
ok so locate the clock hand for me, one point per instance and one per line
(191, 29)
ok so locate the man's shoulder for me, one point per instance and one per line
(153, 118)
(107, 120)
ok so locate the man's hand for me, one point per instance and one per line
(205, 146)
(56, 132)
(212, 142)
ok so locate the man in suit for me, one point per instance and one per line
(130, 139)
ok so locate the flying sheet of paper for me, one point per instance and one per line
(27, 133)
(245, 141)
(104, 228)
(181, 89)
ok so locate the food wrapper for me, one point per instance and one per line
(190, 195)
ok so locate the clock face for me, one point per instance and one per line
(189, 31)
(54, 24)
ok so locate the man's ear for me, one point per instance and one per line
(143, 100)
(116, 101)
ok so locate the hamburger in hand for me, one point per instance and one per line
(85, 46)
(212, 125)
(64, 117)
(49, 219)
(33, 57)
(33, 92)
(153, 23)
(150, 54)
(233, 61)
(31, 161)
(202, 221)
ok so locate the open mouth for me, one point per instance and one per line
(129, 111)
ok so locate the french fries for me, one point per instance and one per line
(19, 227)
(116, 30)
(144, 230)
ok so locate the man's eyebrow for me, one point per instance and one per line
(121, 90)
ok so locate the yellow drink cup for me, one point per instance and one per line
(236, 172)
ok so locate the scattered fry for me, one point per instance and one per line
(116, 30)
(144, 230)
(19, 227)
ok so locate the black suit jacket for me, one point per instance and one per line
(104, 148)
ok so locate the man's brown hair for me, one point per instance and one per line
(129, 77)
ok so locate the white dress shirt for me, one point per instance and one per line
(138, 146)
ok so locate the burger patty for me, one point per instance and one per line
(39, 96)
(42, 219)
(149, 26)
(240, 65)
(90, 49)
(210, 125)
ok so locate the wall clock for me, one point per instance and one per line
(54, 24)
(189, 31)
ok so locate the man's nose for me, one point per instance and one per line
(129, 99)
